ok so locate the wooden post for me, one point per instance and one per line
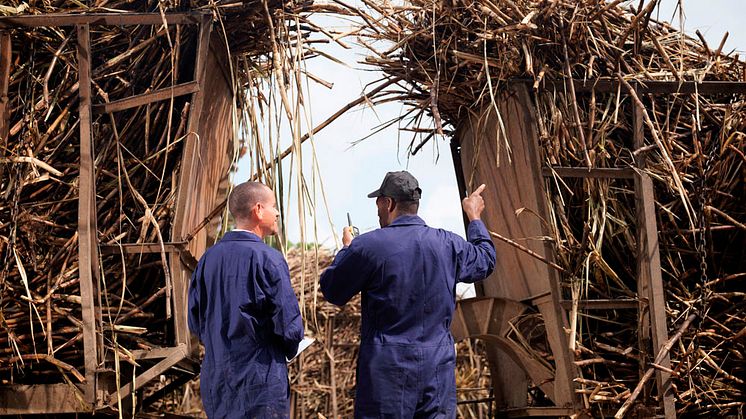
(6, 56)
(88, 267)
(517, 182)
(189, 159)
(652, 310)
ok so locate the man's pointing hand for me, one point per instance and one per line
(474, 204)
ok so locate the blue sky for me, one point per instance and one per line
(350, 172)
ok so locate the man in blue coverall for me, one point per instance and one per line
(407, 274)
(244, 310)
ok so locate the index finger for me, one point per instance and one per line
(479, 190)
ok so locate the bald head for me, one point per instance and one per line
(245, 196)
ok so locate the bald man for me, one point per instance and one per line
(243, 309)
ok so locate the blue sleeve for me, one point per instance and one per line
(287, 324)
(476, 258)
(194, 297)
(347, 276)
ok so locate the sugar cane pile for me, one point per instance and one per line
(137, 158)
(323, 378)
(449, 60)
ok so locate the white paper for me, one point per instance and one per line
(305, 343)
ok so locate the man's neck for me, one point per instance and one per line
(251, 229)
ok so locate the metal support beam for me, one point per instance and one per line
(87, 237)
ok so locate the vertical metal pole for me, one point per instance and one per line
(87, 239)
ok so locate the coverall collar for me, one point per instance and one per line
(241, 235)
(407, 220)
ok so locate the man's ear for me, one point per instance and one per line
(392, 204)
(257, 211)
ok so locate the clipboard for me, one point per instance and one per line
(302, 346)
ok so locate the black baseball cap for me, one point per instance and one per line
(401, 186)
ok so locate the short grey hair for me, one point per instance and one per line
(244, 196)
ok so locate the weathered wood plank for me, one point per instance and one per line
(187, 183)
(598, 173)
(40, 399)
(174, 356)
(113, 19)
(652, 316)
(515, 207)
(650, 274)
(6, 57)
(488, 319)
(622, 303)
(645, 86)
(137, 248)
(145, 98)
(87, 239)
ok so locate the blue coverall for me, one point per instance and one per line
(243, 308)
(407, 274)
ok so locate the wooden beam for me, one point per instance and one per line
(489, 319)
(108, 19)
(145, 98)
(652, 316)
(155, 353)
(137, 248)
(174, 356)
(606, 85)
(581, 172)
(540, 412)
(87, 236)
(186, 186)
(6, 57)
(623, 303)
(555, 319)
(165, 390)
(41, 399)
(649, 266)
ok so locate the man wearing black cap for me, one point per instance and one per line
(407, 274)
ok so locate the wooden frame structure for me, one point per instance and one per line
(487, 317)
(99, 391)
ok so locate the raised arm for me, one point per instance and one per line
(476, 258)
